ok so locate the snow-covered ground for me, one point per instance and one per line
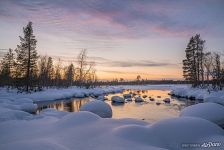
(196, 128)
(198, 93)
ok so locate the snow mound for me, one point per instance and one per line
(216, 97)
(209, 111)
(51, 112)
(29, 107)
(77, 118)
(98, 107)
(171, 133)
(9, 114)
(117, 99)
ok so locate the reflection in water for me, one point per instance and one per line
(72, 105)
(148, 110)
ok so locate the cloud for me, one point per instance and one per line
(141, 63)
(116, 18)
(100, 61)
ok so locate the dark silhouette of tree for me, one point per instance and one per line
(43, 71)
(7, 64)
(50, 71)
(216, 73)
(138, 77)
(208, 59)
(193, 68)
(26, 60)
(69, 75)
(85, 72)
(58, 76)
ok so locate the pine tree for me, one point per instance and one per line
(7, 68)
(26, 61)
(69, 76)
(199, 48)
(58, 77)
(189, 64)
(43, 71)
(50, 71)
(193, 68)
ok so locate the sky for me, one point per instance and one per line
(124, 37)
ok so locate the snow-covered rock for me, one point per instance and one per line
(102, 98)
(98, 107)
(144, 96)
(126, 96)
(129, 99)
(167, 100)
(209, 111)
(117, 99)
(139, 99)
(158, 103)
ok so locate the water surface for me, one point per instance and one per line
(150, 111)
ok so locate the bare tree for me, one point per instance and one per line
(208, 60)
(85, 71)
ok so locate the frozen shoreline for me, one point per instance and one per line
(52, 129)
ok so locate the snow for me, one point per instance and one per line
(117, 99)
(199, 94)
(209, 111)
(171, 133)
(98, 107)
(85, 130)
(9, 114)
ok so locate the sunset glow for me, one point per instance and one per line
(125, 38)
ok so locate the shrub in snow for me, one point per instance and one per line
(117, 99)
(98, 107)
(126, 96)
(138, 99)
(209, 111)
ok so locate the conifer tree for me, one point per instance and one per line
(50, 71)
(26, 61)
(70, 75)
(7, 68)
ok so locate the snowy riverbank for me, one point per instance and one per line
(198, 124)
(199, 94)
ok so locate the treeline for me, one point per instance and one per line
(25, 70)
(140, 82)
(203, 68)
